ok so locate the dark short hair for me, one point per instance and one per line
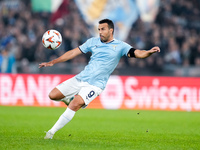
(109, 22)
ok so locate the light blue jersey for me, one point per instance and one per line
(104, 59)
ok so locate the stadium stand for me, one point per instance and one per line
(176, 30)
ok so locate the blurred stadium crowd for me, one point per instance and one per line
(176, 30)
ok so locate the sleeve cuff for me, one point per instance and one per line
(81, 50)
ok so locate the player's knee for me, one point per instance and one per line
(55, 94)
(52, 96)
(77, 103)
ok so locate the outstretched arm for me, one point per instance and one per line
(144, 53)
(66, 56)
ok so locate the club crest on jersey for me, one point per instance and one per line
(114, 47)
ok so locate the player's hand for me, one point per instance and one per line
(154, 49)
(45, 64)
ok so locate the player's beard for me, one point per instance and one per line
(104, 39)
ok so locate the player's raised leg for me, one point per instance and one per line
(56, 95)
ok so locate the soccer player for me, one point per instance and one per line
(88, 84)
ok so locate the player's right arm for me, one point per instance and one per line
(65, 57)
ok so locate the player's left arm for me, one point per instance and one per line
(142, 53)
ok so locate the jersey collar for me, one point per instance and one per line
(108, 42)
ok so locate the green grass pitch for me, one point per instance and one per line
(95, 129)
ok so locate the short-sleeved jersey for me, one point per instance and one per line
(104, 59)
